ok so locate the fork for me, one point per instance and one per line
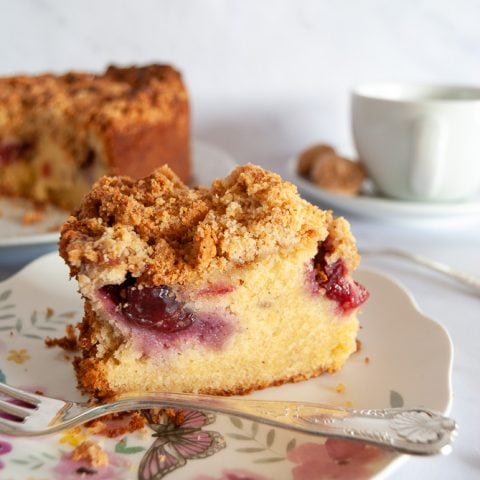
(465, 278)
(406, 430)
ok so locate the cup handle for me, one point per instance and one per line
(428, 156)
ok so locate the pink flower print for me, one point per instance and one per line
(31, 389)
(5, 447)
(69, 469)
(235, 474)
(334, 459)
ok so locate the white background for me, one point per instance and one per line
(266, 79)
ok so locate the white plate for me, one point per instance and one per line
(209, 162)
(13, 232)
(379, 207)
(395, 336)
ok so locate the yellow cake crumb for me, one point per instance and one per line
(166, 233)
(92, 453)
(340, 388)
(32, 217)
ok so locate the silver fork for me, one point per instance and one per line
(407, 430)
(465, 278)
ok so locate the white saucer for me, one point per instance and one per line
(379, 207)
(209, 162)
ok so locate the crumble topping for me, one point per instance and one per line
(59, 133)
(115, 424)
(69, 342)
(163, 232)
(118, 93)
(92, 453)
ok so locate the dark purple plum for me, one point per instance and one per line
(338, 286)
(12, 150)
(153, 307)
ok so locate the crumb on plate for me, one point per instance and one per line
(68, 343)
(33, 217)
(340, 388)
(92, 453)
(116, 424)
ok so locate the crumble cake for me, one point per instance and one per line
(60, 133)
(219, 291)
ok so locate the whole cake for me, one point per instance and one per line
(219, 291)
(60, 133)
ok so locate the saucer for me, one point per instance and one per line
(379, 207)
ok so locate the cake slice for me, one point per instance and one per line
(219, 291)
(60, 133)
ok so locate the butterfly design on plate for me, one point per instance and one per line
(178, 438)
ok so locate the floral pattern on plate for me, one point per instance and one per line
(40, 302)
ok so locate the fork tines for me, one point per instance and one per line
(16, 404)
(15, 410)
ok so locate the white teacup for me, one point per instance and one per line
(419, 142)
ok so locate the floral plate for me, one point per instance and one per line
(39, 301)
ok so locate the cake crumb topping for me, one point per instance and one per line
(100, 98)
(92, 453)
(163, 232)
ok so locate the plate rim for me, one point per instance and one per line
(425, 317)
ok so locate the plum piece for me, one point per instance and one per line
(338, 286)
(12, 150)
(153, 307)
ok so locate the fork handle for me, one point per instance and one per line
(407, 430)
(462, 277)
